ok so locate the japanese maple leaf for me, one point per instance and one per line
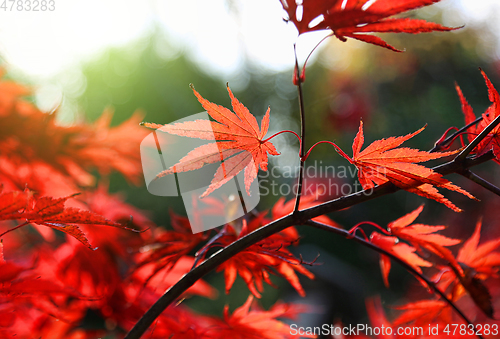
(420, 235)
(238, 141)
(424, 312)
(354, 18)
(476, 263)
(51, 212)
(256, 262)
(251, 323)
(492, 140)
(401, 250)
(167, 277)
(381, 162)
(168, 247)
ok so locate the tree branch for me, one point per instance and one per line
(346, 234)
(299, 217)
(461, 157)
(302, 151)
(480, 181)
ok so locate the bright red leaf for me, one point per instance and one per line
(50, 212)
(420, 235)
(354, 18)
(401, 250)
(492, 140)
(167, 247)
(251, 323)
(238, 141)
(381, 162)
(267, 256)
(423, 313)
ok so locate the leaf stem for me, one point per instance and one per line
(284, 131)
(337, 148)
(14, 228)
(302, 74)
(439, 145)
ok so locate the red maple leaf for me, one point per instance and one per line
(399, 249)
(492, 140)
(420, 235)
(354, 18)
(476, 263)
(267, 256)
(38, 152)
(424, 312)
(381, 162)
(50, 212)
(251, 323)
(167, 247)
(238, 141)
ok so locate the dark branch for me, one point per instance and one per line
(297, 218)
(409, 268)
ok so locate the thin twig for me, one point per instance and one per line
(302, 151)
(409, 268)
(480, 181)
(452, 137)
(461, 157)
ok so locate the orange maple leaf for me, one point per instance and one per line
(50, 212)
(250, 323)
(267, 256)
(354, 18)
(381, 162)
(401, 250)
(420, 235)
(239, 141)
(473, 264)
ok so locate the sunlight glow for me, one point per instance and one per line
(218, 34)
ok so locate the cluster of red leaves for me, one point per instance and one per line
(56, 160)
(55, 287)
(466, 278)
(354, 18)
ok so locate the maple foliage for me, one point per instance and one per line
(57, 160)
(492, 140)
(56, 288)
(473, 265)
(240, 143)
(267, 256)
(382, 161)
(248, 323)
(163, 251)
(354, 18)
(50, 212)
(422, 236)
(402, 251)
